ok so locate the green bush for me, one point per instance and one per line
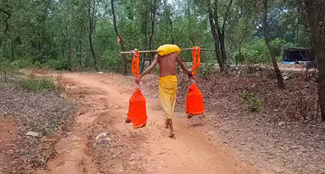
(111, 61)
(258, 52)
(33, 84)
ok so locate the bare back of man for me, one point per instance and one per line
(167, 64)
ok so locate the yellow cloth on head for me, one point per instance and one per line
(167, 94)
(168, 49)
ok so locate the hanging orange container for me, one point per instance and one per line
(135, 63)
(194, 99)
(137, 104)
(137, 110)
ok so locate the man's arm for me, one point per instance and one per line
(151, 67)
(148, 70)
(181, 64)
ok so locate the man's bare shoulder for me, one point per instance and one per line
(175, 55)
(170, 56)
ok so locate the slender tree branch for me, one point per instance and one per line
(270, 47)
(215, 36)
(226, 17)
(121, 39)
(6, 20)
(216, 16)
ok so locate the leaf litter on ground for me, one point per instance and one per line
(284, 135)
(42, 114)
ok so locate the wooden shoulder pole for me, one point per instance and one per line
(155, 51)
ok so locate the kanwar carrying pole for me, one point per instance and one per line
(155, 51)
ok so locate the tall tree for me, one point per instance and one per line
(215, 36)
(221, 29)
(91, 15)
(153, 19)
(316, 17)
(214, 18)
(121, 39)
(271, 49)
(151, 25)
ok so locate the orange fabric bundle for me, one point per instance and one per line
(137, 104)
(196, 52)
(135, 63)
(137, 110)
(194, 101)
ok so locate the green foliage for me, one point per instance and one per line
(57, 64)
(56, 33)
(257, 52)
(4, 64)
(111, 61)
(33, 84)
(261, 52)
(25, 63)
(5, 67)
(252, 101)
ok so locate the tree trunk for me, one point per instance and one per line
(79, 53)
(238, 56)
(153, 19)
(241, 57)
(12, 51)
(271, 49)
(91, 30)
(69, 55)
(171, 29)
(321, 81)
(143, 58)
(223, 49)
(314, 8)
(221, 30)
(121, 39)
(192, 40)
(5, 74)
(215, 36)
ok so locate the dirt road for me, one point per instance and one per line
(152, 152)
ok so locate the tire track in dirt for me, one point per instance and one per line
(152, 151)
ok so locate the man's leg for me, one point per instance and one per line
(171, 127)
(166, 124)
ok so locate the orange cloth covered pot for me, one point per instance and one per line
(194, 101)
(137, 110)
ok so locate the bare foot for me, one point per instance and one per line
(171, 135)
(201, 117)
(189, 116)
